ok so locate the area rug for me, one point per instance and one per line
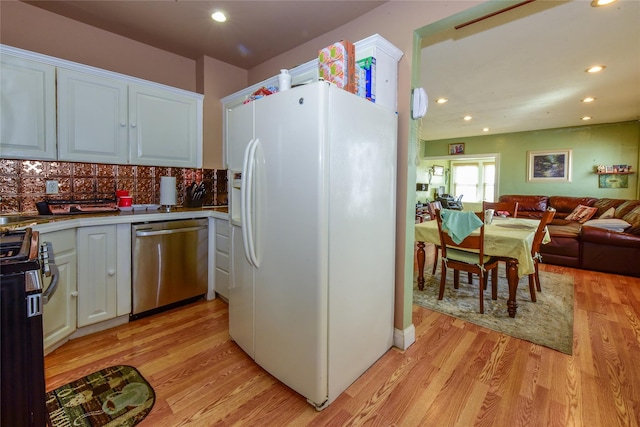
(547, 322)
(115, 396)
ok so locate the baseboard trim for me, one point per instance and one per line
(404, 338)
(99, 327)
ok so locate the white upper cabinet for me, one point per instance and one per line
(92, 118)
(163, 128)
(102, 116)
(28, 109)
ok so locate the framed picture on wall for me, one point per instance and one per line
(549, 166)
(456, 148)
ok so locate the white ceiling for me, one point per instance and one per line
(524, 69)
(255, 31)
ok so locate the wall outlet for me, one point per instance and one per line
(52, 186)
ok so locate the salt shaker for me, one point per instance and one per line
(284, 80)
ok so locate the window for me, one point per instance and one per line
(474, 179)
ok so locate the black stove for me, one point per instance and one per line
(23, 262)
(18, 251)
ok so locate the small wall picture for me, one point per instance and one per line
(456, 148)
(613, 181)
(549, 166)
(608, 169)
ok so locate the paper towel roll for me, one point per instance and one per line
(168, 190)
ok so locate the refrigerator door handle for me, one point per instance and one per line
(246, 194)
(243, 201)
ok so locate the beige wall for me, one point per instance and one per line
(215, 79)
(31, 28)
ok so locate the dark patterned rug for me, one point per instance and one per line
(115, 396)
(547, 322)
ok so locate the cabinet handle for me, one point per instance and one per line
(111, 272)
(74, 294)
(123, 124)
(133, 124)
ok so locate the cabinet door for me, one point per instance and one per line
(222, 258)
(92, 118)
(241, 295)
(163, 128)
(97, 284)
(28, 113)
(59, 317)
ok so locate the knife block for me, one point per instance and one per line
(191, 203)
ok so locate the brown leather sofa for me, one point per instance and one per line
(586, 246)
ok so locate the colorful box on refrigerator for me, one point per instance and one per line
(337, 64)
(367, 78)
(387, 57)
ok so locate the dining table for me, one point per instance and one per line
(508, 238)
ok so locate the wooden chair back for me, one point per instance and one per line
(473, 242)
(547, 217)
(511, 207)
(433, 207)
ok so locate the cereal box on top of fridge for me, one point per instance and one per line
(337, 65)
(367, 78)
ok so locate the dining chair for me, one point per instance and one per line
(433, 207)
(468, 255)
(547, 216)
(511, 207)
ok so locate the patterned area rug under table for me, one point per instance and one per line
(547, 322)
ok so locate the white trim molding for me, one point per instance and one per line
(404, 338)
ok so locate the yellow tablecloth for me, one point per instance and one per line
(504, 237)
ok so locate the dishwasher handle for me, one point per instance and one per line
(167, 232)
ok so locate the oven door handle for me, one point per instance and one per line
(55, 276)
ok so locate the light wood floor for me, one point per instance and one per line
(456, 374)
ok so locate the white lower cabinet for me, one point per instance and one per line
(94, 286)
(222, 258)
(97, 278)
(59, 318)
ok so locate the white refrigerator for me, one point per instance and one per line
(312, 175)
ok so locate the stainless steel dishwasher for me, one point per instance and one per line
(169, 263)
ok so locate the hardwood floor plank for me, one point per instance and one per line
(405, 398)
(573, 394)
(455, 374)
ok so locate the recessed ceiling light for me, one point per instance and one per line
(598, 3)
(595, 68)
(218, 16)
(485, 129)
(585, 118)
(588, 99)
(441, 100)
(467, 118)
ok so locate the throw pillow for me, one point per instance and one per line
(581, 213)
(609, 213)
(633, 218)
(612, 224)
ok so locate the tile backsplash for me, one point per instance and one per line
(23, 183)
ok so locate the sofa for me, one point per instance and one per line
(587, 232)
